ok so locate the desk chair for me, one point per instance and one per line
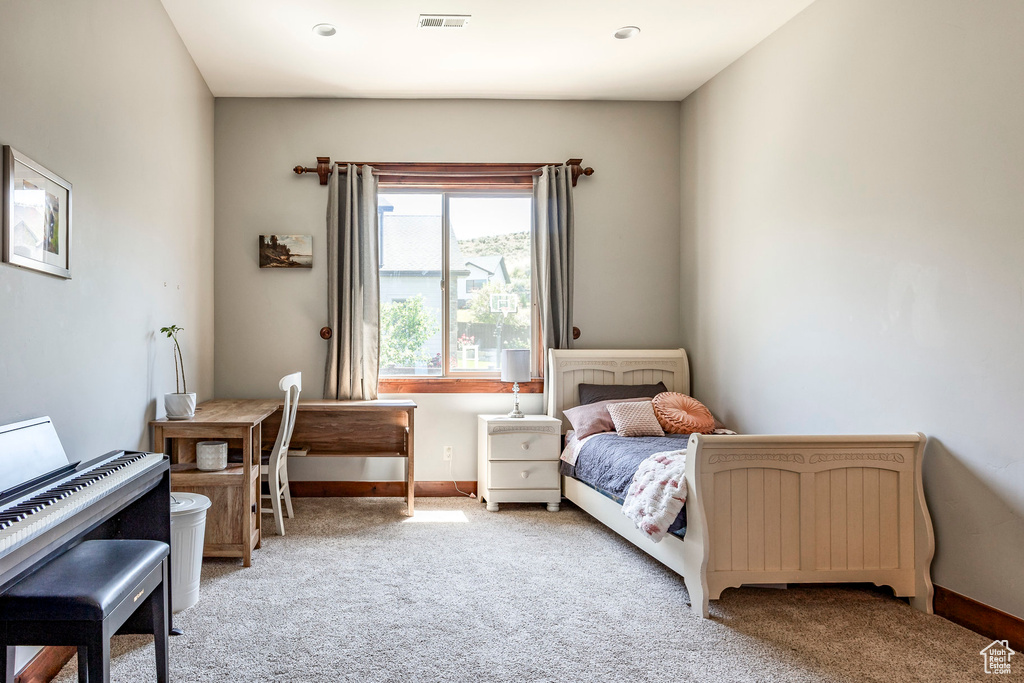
(274, 468)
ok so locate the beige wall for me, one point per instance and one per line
(627, 218)
(852, 214)
(104, 94)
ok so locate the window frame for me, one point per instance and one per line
(464, 381)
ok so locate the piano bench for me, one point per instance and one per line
(82, 598)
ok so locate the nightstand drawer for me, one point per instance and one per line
(523, 474)
(523, 446)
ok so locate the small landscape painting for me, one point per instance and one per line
(286, 251)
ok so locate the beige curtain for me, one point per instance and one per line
(553, 254)
(353, 285)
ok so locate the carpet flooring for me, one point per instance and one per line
(358, 592)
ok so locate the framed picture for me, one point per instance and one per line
(37, 216)
(286, 251)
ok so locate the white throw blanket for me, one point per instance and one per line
(657, 493)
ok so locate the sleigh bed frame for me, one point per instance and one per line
(765, 509)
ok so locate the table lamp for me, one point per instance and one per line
(515, 367)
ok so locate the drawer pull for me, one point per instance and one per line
(524, 474)
(525, 446)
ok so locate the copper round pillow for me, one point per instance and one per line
(682, 414)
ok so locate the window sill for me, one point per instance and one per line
(454, 385)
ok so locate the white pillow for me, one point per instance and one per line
(635, 419)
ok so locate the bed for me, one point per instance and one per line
(769, 509)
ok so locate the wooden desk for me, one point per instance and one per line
(354, 429)
(233, 521)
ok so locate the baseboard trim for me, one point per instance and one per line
(347, 489)
(979, 617)
(45, 666)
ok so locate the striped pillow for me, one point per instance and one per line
(635, 419)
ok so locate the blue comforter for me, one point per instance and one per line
(607, 463)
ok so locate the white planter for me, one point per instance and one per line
(180, 406)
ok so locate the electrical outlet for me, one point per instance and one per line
(448, 453)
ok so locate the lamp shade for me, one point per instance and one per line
(515, 365)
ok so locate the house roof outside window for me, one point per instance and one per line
(409, 246)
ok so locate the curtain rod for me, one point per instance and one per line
(324, 168)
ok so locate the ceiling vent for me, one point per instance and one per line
(444, 20)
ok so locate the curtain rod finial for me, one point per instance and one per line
(323, 169)
(577, 169)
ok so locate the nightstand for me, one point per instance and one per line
(517, 460)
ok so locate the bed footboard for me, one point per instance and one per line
(810, 509)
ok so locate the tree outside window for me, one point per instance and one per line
(455, 281)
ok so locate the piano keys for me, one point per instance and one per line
(49, 503)
(24, 517)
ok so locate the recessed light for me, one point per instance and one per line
(324, 30)
(626, 32)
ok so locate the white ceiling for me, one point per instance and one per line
(525, 49)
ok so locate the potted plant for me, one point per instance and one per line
(180, 405)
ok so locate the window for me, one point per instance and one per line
(455, 286)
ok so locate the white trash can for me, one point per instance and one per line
(188, 528)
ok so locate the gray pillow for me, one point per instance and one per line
(592, 393)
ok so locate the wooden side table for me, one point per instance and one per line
(517, 460)
(233, 521)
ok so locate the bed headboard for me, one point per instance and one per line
(567, 368)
